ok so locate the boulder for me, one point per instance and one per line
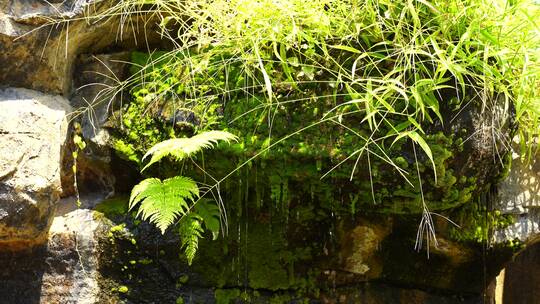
(33, 129)
(521, 279)
(519, 197)
(65, 268)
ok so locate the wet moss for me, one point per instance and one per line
(113, 207)
(477, 223)
(227, 296)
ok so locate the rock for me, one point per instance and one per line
(94, 81)
(518, 282)
(73, 230)
(519, 196)
(376, 293)
(360, 247)
(485, 127)
(33, 129)
(65, 269)
(39, 45)
(94, 102)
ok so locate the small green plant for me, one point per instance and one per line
(162, 202)
(80, 145)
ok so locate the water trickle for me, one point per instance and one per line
(239, 255)
(246, 235)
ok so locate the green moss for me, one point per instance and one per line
(477, 223)
(226, 296)
(115, 206)
(259, 258)
(507, 166)
(280, 299)
(123, 289)
(304, 158)
(126, 151)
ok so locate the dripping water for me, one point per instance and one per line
(246, 232)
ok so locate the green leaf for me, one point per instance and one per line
(488, 36)
(425, 147)
(346, 48)
(397, 129)
(309, 71)
(161, 202)
(210, 214)
(181, 148)
(267, 81)
(285, 64)
(415, 123)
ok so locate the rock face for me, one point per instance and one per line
(65, 269)
(38, 45)
(521, 279)
(94, 77)
(519, 196)
(33, 130)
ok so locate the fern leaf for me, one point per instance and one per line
(190, 230)
(209, 212)
(181, 148)
(160, 202)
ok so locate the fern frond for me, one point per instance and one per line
(162, 201)
(181, 148)
(209, 212)
(190, 230)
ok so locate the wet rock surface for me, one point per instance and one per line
(63, 270)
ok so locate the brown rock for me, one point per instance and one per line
(33, 130)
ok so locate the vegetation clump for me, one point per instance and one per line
(348, 102)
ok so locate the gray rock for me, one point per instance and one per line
(74, 230)
(521, 279)
(65, 268)
(519, 196)
(95, 76)
(33, 129)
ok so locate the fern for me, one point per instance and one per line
(190, 229)
(209, 212)
(161, 202)
(181, 148)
